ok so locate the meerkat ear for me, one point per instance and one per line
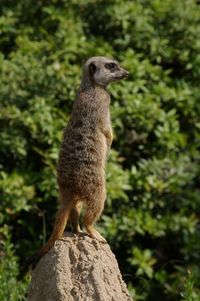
(92, 68)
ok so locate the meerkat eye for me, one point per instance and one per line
(111, 66)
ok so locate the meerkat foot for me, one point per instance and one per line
(77, 230)
(95, 234)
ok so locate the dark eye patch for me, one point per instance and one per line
(111, 66)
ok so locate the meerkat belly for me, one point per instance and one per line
(82, 160)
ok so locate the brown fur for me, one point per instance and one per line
(86, 142)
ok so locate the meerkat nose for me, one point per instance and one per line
(126, 73)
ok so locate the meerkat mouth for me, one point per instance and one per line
(120, 77)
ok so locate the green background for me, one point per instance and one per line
(152, 212)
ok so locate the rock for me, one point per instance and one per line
(78, 268)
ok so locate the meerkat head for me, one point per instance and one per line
(102, 70)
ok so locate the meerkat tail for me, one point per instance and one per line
(60, 223)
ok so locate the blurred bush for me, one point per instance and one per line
(151, 218)
(11, 288)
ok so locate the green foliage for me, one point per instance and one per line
(189, 293)
(12, 289)
(144, 261)
(151, 217)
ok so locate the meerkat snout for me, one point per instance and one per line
(103, 71)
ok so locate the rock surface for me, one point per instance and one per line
(78, 268)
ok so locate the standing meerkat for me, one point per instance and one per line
(86, 143)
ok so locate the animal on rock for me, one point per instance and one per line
(86, 143)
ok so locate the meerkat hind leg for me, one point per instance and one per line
(90, 216)
(74, 218)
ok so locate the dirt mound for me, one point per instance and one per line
(78, 268)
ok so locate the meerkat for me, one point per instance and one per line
(86, 142)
